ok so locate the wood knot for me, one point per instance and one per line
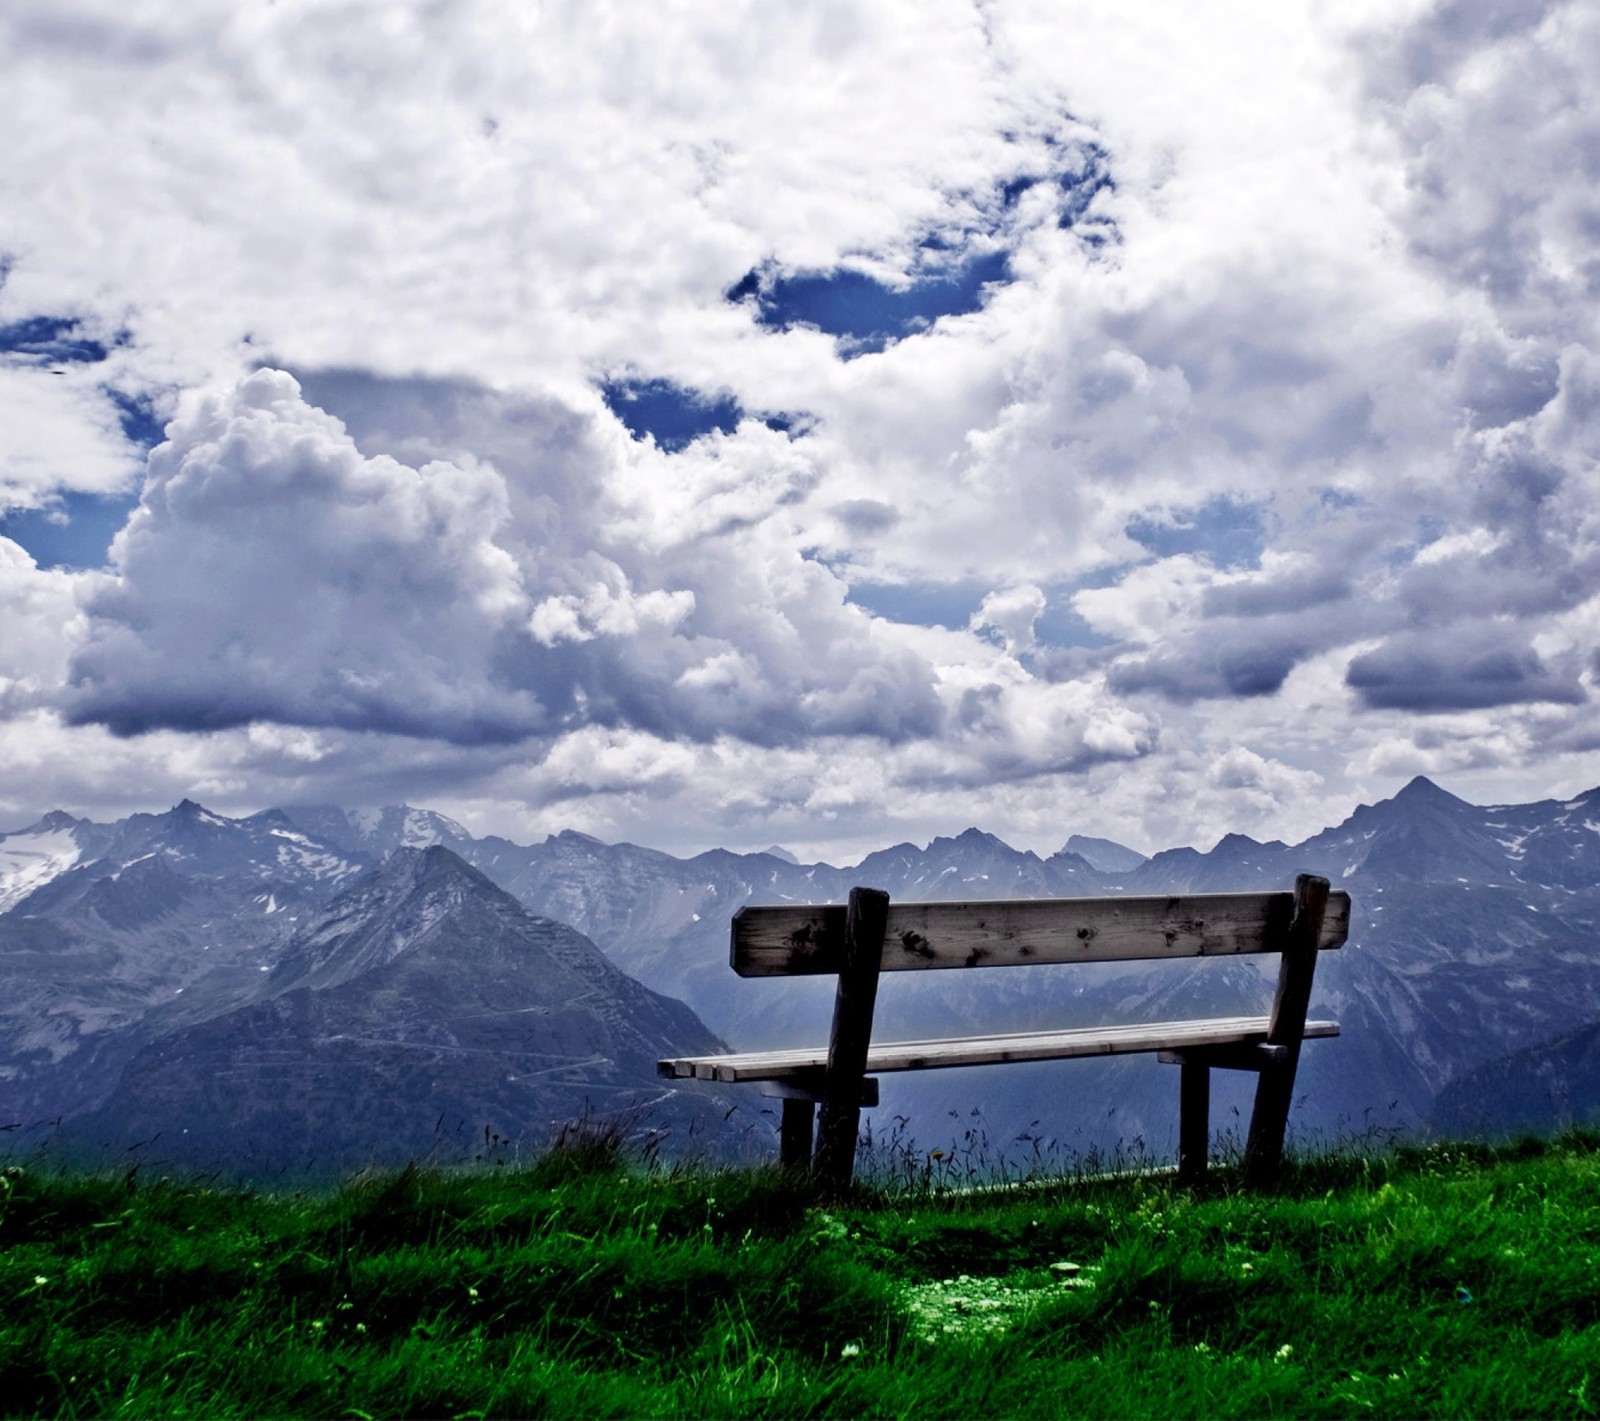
(915, 944)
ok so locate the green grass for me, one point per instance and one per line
(1458, 1281)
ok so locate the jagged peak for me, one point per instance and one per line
(1422, 790)
(189, 811)
(1090, 847)
(411, 858)
(1237, 841)
(971, 838)
(574, 836)
(54, 821)
(269, 817)
(412, 870)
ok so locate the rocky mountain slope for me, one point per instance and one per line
(159, 980)
(421, 1008)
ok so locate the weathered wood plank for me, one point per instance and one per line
(989, 1050)
(1248, 1057)
(804, 941)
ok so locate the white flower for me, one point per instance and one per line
(850, 1349)
(1284, 1352)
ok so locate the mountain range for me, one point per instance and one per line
(247, 997)
(311, 979)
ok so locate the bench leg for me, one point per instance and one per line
(1263, 1153)
(794, 1135)
(1194, 1121)
(865, 920)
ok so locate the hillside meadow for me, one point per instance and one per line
(1449, 1281)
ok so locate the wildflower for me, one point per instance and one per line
(39, 1280)
(850, 1349)
(1202, 1347)
(1284, 1352)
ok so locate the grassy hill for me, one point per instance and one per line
(1448, 1281)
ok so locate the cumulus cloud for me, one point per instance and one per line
(271, 572)
(1010, 614)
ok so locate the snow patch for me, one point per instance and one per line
(418, 833)
(29, 861)
(1513, 845)
(424, 828)
(308, 858)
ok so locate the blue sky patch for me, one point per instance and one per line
(1061, 625)
(1225, 533)
(920, 604)
(954, 265)
(50, 340)
(74, 533)
(672, 415)
(1079, 189)
(954, 604)
(865, 314)
(137, 415)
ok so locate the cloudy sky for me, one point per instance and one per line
(824, 423)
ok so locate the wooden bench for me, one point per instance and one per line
(868, 936)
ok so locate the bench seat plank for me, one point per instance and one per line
(989, 1050)
(807, 940)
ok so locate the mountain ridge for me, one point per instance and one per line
(1473, 934)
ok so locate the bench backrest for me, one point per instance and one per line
(791, 941)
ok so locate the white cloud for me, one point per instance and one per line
(1210, 500)
(42, 624)
(271, 572)
(1011, 613)
(61, 435)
